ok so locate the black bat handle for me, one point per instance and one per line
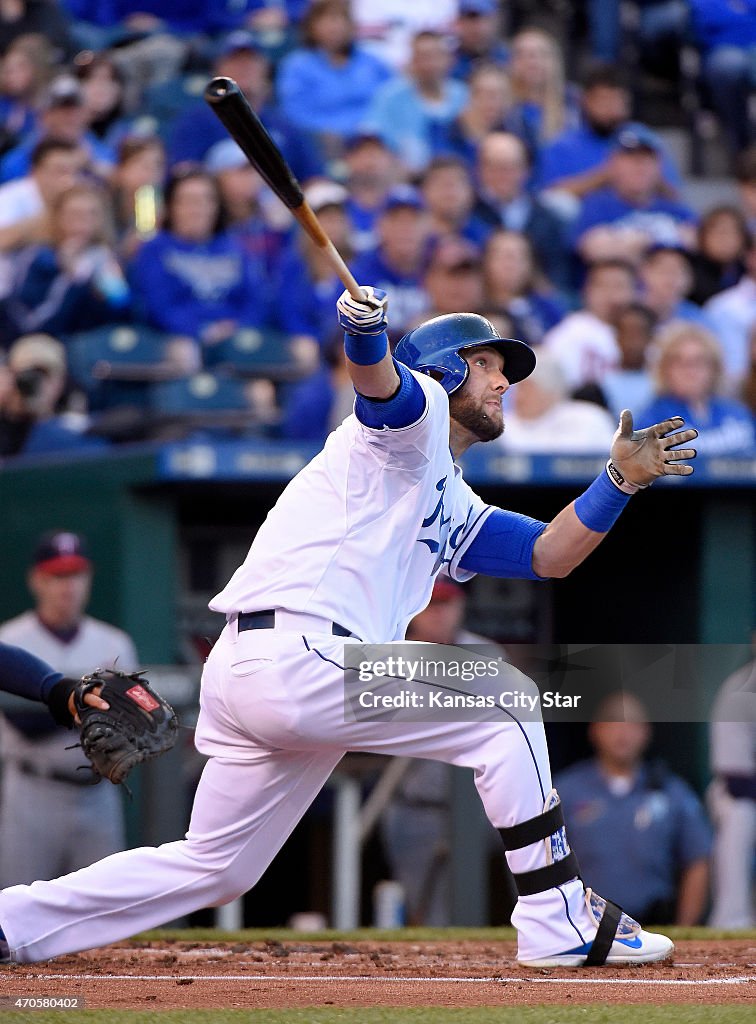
(231, 107)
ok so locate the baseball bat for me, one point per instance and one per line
(231, 107)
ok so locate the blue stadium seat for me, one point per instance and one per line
(255, 352)
(115, 365)
(198, 395)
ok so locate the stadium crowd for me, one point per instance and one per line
(462, 154)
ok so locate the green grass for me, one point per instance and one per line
(680, 1013)
(398, 935)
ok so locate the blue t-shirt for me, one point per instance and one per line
(409, 299)
(660, 218)
(631, 848)
(183, 286)
(725, 426)
(305, 306)
(317, 95)
(581, 149)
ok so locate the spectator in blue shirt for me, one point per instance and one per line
(193, 278)
(192, 134)
(688, 372)
(504, 201)
(489, 108)
(719, 261)
(546, 103)
(449, 196)
(75, 283)
(726, 33)
(398, 264)
(372, 170)
(631, 212)
(666, 839)
(254, 215)
(576, 162)
(306, 308)
(64, 118)
(24, 70)
(410, 112)
(326, 86)
(666, 277)
(478, 37)
(513, 287)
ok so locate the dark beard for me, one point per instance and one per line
(473, 418)
(604, 131)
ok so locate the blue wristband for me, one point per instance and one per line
(366, 349)
(599, 507)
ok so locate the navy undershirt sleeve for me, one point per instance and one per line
(26, 675)
(504, 546)
(404, 408)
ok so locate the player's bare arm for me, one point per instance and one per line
(638, 457)
(369, 361)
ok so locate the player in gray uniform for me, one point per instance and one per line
(51, 821)
(350, 553)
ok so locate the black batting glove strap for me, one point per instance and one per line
(57, 701)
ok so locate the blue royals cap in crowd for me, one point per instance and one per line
(403, 196)
(477, 7)
(239, 41)
(61, 553)
(637, 138)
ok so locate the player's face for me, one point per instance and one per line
(60, 599)
(477, 404)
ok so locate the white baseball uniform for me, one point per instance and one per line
(355, 539)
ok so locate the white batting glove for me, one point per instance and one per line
(368, 317)
(638, 457)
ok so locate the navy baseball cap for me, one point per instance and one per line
(637, 138)
(403, 196)
(477, 7)
(60, 553)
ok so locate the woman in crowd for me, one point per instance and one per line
(136, 187)
(544, 102)
(489, 108)
(687, 374)
(306, 310)
(325, 86)
(449, 198)
(719, 262)
(24, 71)
(75, 282)
(104, 90)
(512, 285)
(193, 278)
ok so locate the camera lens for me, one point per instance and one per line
(30, 381)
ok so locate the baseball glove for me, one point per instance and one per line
(138, 725)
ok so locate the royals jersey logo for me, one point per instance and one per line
(442, 536)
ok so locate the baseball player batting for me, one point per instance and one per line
(349, 553)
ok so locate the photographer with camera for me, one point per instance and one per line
(38, 411)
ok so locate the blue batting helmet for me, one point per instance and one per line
(435, 346)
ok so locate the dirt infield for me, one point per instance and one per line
(174, 975)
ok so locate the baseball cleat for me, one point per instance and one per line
(631, 945)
